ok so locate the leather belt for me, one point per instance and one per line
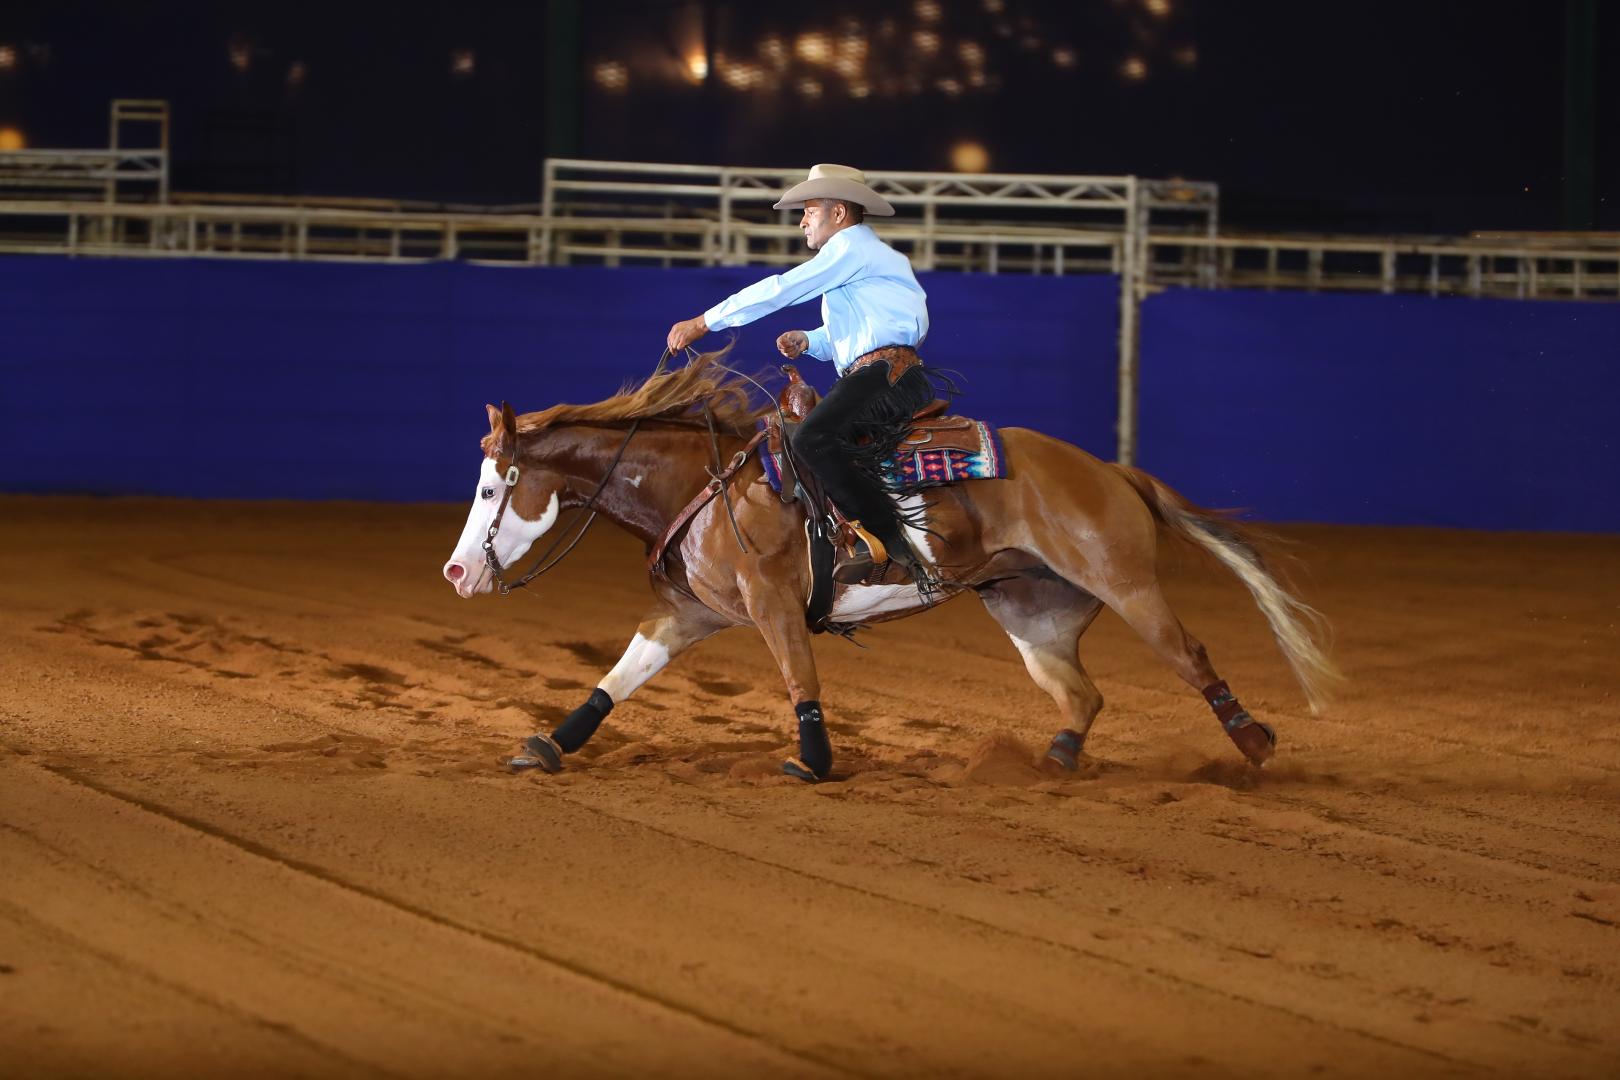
(901, 358)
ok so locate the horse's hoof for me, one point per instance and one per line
(1257, 740)
(800, 771)
(1065, 750)
(544, 754)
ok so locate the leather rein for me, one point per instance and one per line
(719, 477)
(547, 561)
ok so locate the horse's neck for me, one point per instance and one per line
(662, 468)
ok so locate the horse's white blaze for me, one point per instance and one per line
(517, 533)
(857, 602)
(641, 661)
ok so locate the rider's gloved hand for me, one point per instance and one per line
(792, 343)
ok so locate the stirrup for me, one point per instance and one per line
(855, 563)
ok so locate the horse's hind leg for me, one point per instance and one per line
(663, 634)
(1148, 613)
(1045, 617)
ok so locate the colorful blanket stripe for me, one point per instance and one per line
(917, 469)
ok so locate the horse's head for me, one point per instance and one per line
(531, 509)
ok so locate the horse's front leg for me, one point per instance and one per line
(664, 634)
(779, 615)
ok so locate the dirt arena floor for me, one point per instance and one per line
(252, 822)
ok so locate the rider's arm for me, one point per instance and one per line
(837, 263)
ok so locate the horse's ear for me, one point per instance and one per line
(509, 423)
(494, 419)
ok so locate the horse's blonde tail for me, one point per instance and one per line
(1297, 626)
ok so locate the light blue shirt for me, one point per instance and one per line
(869, 298)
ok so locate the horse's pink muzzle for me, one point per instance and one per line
(467, 581)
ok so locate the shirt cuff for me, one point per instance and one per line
(820, 345)
(715, 317)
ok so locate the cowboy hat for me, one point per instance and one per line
(836, 182)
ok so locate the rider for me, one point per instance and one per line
(874, 316)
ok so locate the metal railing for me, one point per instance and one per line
(1438, 267)
(98, 173)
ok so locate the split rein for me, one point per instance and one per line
(552, 557)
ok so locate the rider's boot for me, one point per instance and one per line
(856, 559)
(922, 574)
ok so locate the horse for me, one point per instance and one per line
(1045, 549)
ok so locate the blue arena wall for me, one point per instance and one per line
(321, 380)
(316, 380)
(1397, 410)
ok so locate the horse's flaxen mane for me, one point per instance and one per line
(675, 396)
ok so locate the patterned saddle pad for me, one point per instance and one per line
(942, 450)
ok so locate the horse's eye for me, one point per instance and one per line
(487, 493)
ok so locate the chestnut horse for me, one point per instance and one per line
(1045, 549)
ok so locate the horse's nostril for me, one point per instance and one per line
(454, 572)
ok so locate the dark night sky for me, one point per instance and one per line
(1386, 116)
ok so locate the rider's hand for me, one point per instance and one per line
(683, 334)
(792, 343)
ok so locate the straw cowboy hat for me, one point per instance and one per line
(836, 182)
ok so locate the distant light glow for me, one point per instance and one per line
(772, 48)
(12, 138)
(463, 63)
(809, 88)
(742, 76)
(697, 66)
(8, 58)
(297, 73)
(971, 52)
(949, 87)
(970, 156)
(1134, 69)
(925, 42)
(976, 79)
(1064, 57)
(1159, 8)
(859, 89)
(1030, 41)
(995, 7)
(814, 48)
(926, 10)
(240, 54)
(611, 75)
(1186, 56)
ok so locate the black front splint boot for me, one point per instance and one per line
(814, 762)
(545, 752)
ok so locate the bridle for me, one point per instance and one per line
(547, 560)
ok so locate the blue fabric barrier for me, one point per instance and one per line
(1373, 409)
(316, 380)
(208, 378)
